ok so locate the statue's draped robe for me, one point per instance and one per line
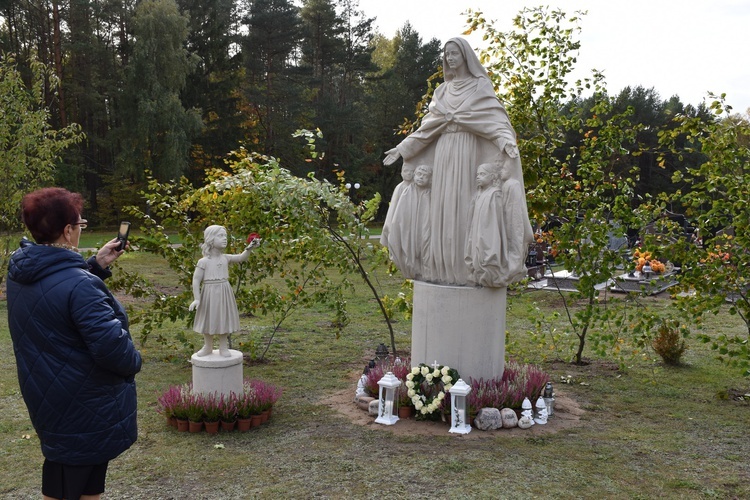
(409, 236)
(387, 225)
(495, 245)
(456, 137)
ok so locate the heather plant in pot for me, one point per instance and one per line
(195, 408)
(169, 401)
(182, 402)
(266, 394)
(247, 404)
(228, 405)
(212, 410)
(400, 369)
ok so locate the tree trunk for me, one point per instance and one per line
(57, 50)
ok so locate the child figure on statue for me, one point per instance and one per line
(214, 302)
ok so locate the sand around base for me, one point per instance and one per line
(567, 414)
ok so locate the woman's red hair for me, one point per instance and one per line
(47, 211)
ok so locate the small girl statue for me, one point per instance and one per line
(216, 306)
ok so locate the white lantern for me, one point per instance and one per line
(387, 411)
(527, 410)
(459, 412)
(540, 416)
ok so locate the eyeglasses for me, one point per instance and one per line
(83, 223)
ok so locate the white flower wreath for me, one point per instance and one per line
(437, 375)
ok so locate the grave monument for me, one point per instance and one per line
(474, 242)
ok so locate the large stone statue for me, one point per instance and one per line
(466, 126)
(214, 302)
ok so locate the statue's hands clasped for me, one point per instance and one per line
(391, 156)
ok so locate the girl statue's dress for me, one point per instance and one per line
(218, 312)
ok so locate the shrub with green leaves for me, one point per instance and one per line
(668, 343)
(586, 190)
(314, 239)
(715, 271)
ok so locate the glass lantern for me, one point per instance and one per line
(387, 404)
(459, 409)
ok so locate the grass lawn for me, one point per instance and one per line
(645, 432)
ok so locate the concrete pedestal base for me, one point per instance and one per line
(215, 373)
(460, 327)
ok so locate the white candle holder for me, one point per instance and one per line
(387, 402)
(459, 410)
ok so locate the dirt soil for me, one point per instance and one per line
(567, 414)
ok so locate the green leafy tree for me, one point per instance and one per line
(274, 87)
(157, 130)
(405, 63)
(585, 188)
(313, 241)
(29, 146)
(716, 270)
(214, 38)
(336, 55)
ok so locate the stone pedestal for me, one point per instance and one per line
(460, 327)
(215, 373)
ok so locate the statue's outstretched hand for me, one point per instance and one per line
(255, 242)
(509, 147)
(391, 156)
(194, 305)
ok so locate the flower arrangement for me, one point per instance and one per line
(180, 402)
(518, 382)
(426, 386)
(644, 258)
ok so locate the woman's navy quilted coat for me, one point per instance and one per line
(76, 360)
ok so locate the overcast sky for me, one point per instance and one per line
(685, 48)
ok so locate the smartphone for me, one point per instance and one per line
(122, 235)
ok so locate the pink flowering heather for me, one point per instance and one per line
(518, 382)
(400, 369)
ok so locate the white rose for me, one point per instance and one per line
(425, 370)
(428, 377)
(411, 393)
(441, 396)
(445, 370)
(410, 376)
(448, 387)
(418, 405)
(415, 370)
(446, 379)
(410, 384)
(423, 411)
(436, 373)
